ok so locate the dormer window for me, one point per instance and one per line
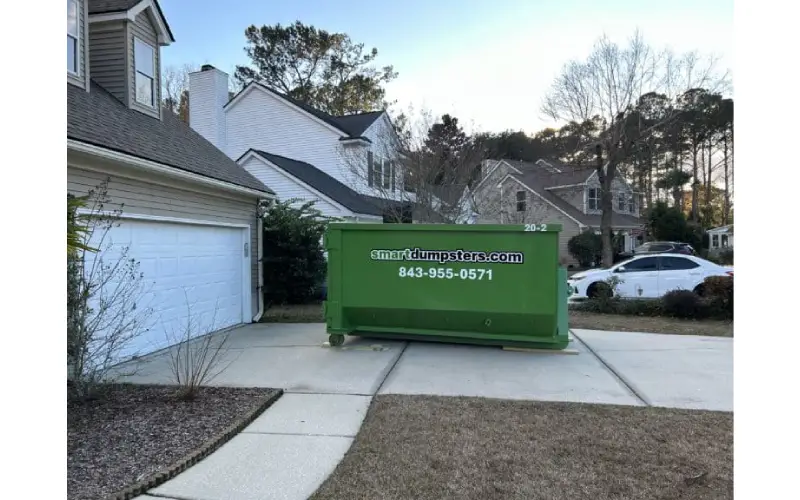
(144, 56)
(593, 199)
(72, 36)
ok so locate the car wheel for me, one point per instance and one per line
(700, 290)
(599, 290)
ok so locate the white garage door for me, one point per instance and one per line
(192, 274)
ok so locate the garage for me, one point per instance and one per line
(190, 269)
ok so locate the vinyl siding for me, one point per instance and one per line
(80, 78)
(143, 29)
(288, 188)
(381, 134)
(260, 120)
(159, 198)
(572, 195)
(617, 185)
(107, 57)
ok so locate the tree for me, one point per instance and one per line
(293, 256)
(673, 182)
(175, 89)
(606, 88)
(324, 70)
(445, 142)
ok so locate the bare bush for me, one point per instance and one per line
(105, 290)
(197, 356)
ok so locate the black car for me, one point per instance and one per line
(665, 247)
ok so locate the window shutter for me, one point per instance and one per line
(394, 177)
(370, 170)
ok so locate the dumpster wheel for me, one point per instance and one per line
(336, 339)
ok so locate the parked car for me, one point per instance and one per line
(665, 247)
(648, 276)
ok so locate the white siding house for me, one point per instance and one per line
(300, 152)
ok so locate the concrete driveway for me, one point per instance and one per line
(290, 449)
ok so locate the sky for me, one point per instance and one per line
(489, 63)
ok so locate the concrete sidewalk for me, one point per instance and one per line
(292, 448)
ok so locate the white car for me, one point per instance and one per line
(648, 276)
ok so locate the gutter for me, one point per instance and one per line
(152, 166)
(260, 264)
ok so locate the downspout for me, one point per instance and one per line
(260, 264)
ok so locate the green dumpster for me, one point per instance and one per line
(465, 283)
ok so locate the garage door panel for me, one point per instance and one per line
(198, 264)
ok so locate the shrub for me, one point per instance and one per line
(726, 257)
(719, 295)
(586, 248)
(630, 307)
(294, 263)
(684, 304)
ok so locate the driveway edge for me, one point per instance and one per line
(637, 393)
(164, 475)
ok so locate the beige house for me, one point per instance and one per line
(547, 191)
(189, 211)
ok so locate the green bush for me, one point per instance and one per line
(718, 291)
(294, 263)
(586, 248)
(726, 257)
(684, 304)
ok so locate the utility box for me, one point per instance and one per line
(465, 283)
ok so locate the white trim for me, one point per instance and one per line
(512, 167)
(153, 78)
(164, 37)
(509, 176)
(233, 102)
(358, 141)
(160, 168)
(565, 186)
(247, 271)
(79, 30)
(290, 177)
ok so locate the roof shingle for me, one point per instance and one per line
(98, 118)
(329, 186)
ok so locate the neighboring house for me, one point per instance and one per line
(345, 163)
(547, 191)
(720, 238)
(189, 212)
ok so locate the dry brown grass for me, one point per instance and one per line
(649, 324)
(303, 313)
(421, 447)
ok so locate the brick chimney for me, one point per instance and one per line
(208, 89)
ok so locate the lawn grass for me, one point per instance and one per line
(650, 324)
(427, 447)
(312, 313)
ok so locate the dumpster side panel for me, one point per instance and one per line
(478, 283)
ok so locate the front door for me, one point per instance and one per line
(639, 278)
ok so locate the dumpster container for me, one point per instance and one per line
(465, 283)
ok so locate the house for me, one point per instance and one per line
(189, 212)
(346, 163)
(547, 191)
(720, 238)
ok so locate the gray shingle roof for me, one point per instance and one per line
(98, 118)
(539, 180)
(327, 185)
(109, 6)
(352, 125)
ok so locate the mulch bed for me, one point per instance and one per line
(432, 448)
(132, 431)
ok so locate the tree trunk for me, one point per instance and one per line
(727, 207)
(695, 182)
(649, 188)
(606, 206)
(709, 173)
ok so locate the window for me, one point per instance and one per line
(381, 172)
(724, 239)
(640, 265)
(621, 202)
(72, 36)
(521, 201)
(144, 57)
(593, 199)
(387, 174)
(632, 205)
(677, 264)
(715, 241)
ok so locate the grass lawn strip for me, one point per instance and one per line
(426, 447)
(312, 313)
(133, 433)
(649, 324)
